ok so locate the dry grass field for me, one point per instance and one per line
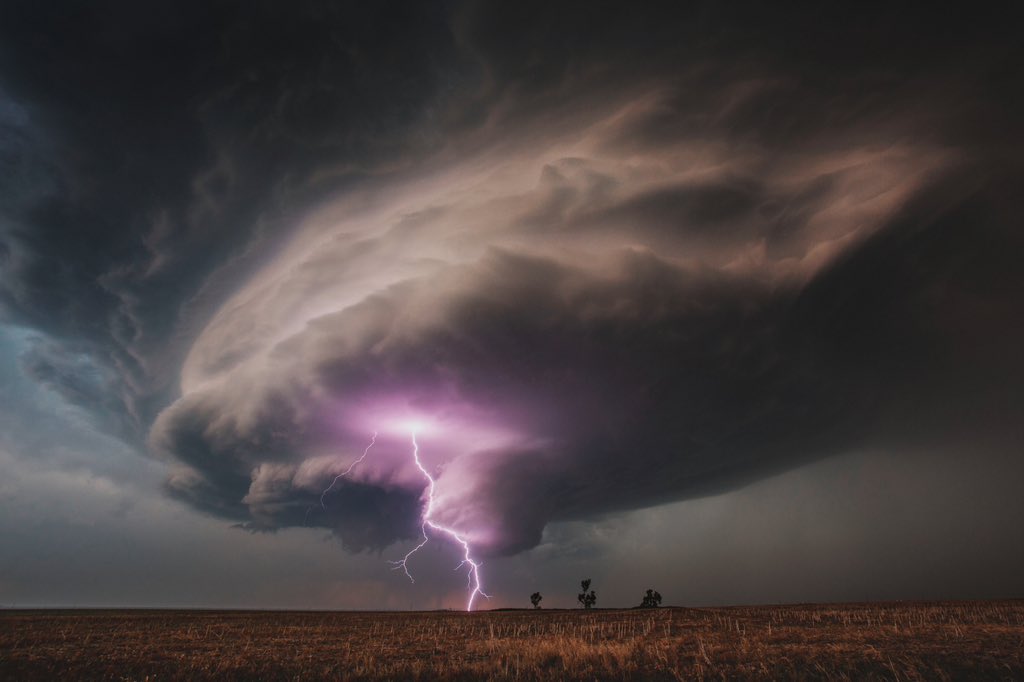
(927, 641)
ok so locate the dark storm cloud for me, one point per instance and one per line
(929, 309)
(647, 382)
(170, 141)
(646, 254)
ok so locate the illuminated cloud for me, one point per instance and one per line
(587, 327)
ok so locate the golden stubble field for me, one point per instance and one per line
(897, 641)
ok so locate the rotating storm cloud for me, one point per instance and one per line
(570, 316)
(600, 271)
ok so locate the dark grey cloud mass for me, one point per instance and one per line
(609, 257)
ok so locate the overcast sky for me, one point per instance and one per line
(699, 297)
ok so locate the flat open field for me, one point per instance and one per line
(928, 641)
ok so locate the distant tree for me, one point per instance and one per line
(535, 599)
(652, 600)
(587, 597)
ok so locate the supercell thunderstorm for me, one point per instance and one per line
(617, 264)
(600, 323)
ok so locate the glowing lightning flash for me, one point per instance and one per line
(473, 578)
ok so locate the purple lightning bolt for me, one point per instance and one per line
(473, 578)
(343, 474)
(346, 472)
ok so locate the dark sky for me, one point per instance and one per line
(713, 298)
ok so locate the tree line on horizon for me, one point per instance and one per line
(588, 597)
